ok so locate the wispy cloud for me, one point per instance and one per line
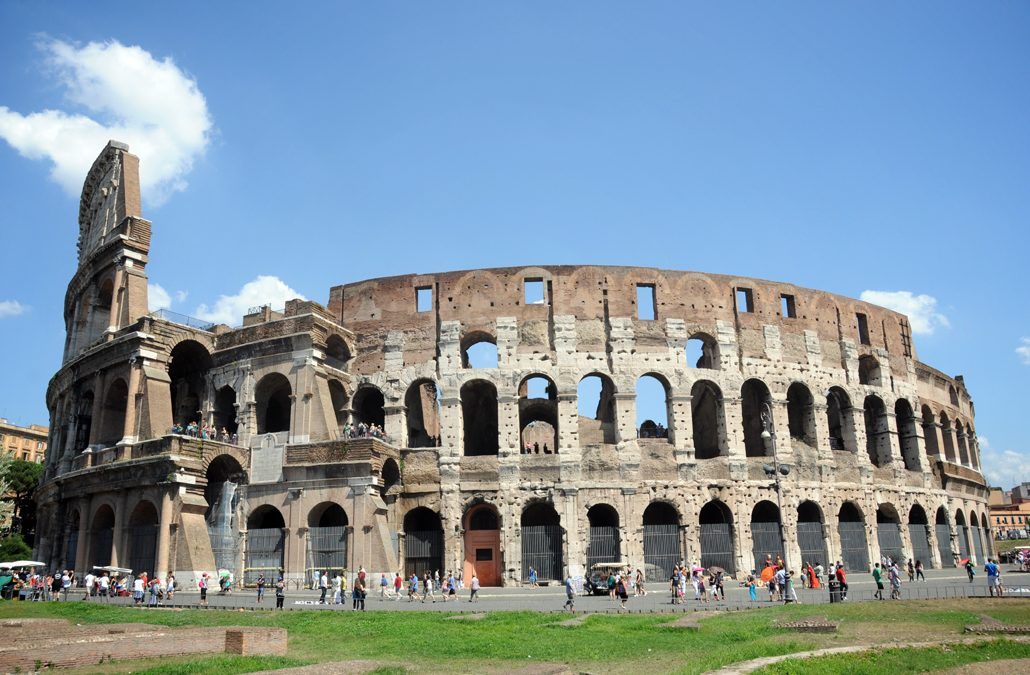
(1023, 350)
(11, 308)
(264, 290)
(1004, 468)
(921, 310)
(127, 95)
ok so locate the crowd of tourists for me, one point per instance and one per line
(66, 585)
(430, 586)
(206, 432)
(362, 430)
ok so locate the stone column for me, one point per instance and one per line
(575, 549)
(890, 441)
(120, 538)
(85, 505)
(129, 434)
(681, 429)
(98, 408)
(164, 526)
(569, 452)
(734, 423)
(395, 428)
(625, 416)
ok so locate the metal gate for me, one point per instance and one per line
(71, 550)
(812, 542)
(603, 546)
(944, 545)
(963, 542)
(423, 552)
(225, 548)
(263, 554)
(142, 549)
(327, 549)
(978, 544)
(662, 551)
(542, 550)
(920, 536)
(100, 547)
(854, 550)
(717, 546)
(767, 540)
(888, 536)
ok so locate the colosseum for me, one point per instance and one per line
(488, 421)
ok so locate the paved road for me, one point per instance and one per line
(940, 584)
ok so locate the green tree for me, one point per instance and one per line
(14, 548)
(21, 479)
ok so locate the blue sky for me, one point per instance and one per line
(844, 146)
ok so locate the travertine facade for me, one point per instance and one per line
(538, 459)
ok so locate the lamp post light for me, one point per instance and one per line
(775, 471)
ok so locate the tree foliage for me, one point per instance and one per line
(14, 547)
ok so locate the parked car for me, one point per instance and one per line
(596, 582)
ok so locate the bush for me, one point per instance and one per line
(14, 548)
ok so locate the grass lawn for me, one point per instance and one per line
(901, 659)
(504, 641)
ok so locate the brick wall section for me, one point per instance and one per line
(255, 641)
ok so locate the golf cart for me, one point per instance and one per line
(596, 582)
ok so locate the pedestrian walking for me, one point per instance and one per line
(639, 584)
(260, 587)
(895, 578)
(338, 589)
(428, 583)
(620, 591)
(842, 579)
(398, 583)
(878, 578)
(570, 594)
(993, 574)
(280, 594)
(473, 588)
(383, 587)
(323, 586)
(919, 571)
(911, 568)
(752, 588)
(202, 585)
(970, 570)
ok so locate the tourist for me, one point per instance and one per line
(280, 594)
(413, 587)
(620, 590)
(337, 588)
(638, 586)
(532, 577)
(919, 571)
(427, 581)
(383, 587)
(105, 587)
(66, 584)
(570, 593)
(791, 593)
(202, 585)
(170, 587)
(358, 594)
(991, 568)
(702, 591)
(137, 590)
(452, 586)
(90, 583)
(878, 578)
(752, 588)
(842, 579)
(911, 568)
(970, 571)
(473, 587)
(895, 578)
(343, 586)
(674, 586)
(323, 587)
(819, 571)
(719, 585)
(261, 587)
(780, 580)
(155, 591)
(397, 584)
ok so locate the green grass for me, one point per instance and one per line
(630, 642)
(1003, 545)
(901, 659)
(224, 664)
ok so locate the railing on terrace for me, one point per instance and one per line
(182, 319)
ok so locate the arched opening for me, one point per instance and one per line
(888, 534)
(976, 535)
(908, 436)
(963, 535)
(369, 407)
(716, 535)
(974, 448)
(71, 544)
(603, 545)
(652, 408)
(479, 418)
(801, 414)
(943, 531)
(83, 421)
(483, 544)
(224, 476)
(338, 399)
(840, 420)
(337, 354)
(963, 449)
(702, 351)
(112, 421)
(265, 544)
(766, 533)
(538, 415)
(274, 397)
(423, 542)
(391, 476)
(479, 350)
(869, 371)
(663, 543)
(101, 536)
(708, 419)
(877, 433)
(327, 539)
(422, 410)
(930, 431)
(946, 438)
(811, 534)
(596, 403)
(854, 548)
(919, 534)
(754, 395)
(985, 530)
(225, 410)
(101, 311)
(541, 533)
(143, 530)
(189, 362)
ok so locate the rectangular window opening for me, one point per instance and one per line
(745, 300)
(424, 299)
(646, 308)
(863, 329)
(787, 308)
(535, 292)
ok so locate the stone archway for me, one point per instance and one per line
(483, 545)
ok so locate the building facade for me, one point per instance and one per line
(795, 422)
(24, 443)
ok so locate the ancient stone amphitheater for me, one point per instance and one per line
(545, 417)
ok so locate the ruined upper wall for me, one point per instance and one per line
(595, 295)
(110, 194)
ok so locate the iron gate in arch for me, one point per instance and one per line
(767, 539)
(662, 551)
(963, 542)
(978, 544)
(263, 554)
(327, 548)
(603, 546)
(812, 542)
(423, 552)
(920, 536)
(100, 547)
(717, 546)
(854, 551)
(944, 545)
(71, 549)
(888, 536)
(542, 550)
(143, 549)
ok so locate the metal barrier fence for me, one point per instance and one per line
(812, 542)
(920, 536)
(327, 548)
(768, 541)
(943, 532)
(662, 551)
(888, 536)
(100, 547)
(854, 552)
(717, 546)
(542, 550)
(264, 552)
(603, 546)
(143, 548)
(423, 551)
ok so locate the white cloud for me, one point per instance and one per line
(11, 308)
(180, 296)
(1006, 468)
(921, 310)
(129, 96)
(1023, 351)
(158, 297)
(264, 290)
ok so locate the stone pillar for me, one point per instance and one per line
(681, 428)
(129, 434)
(891, 442)
(85, 505)
(395, 426)
(120, 535)
(98, 408)
(625, 416)
(118, 298)
(789, 525)
(734, 424)
(164, 527)
(569, 452)
(575, 549)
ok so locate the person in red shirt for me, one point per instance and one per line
(397, 583)
(843, 579)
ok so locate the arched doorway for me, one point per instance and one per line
(265, 544)
(603, 544)
(368, 406)
(143, 539)
(327, 539)
(663, 545)
(541, 533)
(274, 397)
(963, 535)
(187, 369)
(422, 406)
(596, 404)
(943, 531)
(71, 544)
(877, 433)
(907, 434)
(766, 533)
(224, 476)
(225, 410)
(423, 542)
(888, 533)
(101, 536)
(919, 534)
(708, 420)
(753, 397)
(483, 545)
(112, 420)
(716, 528)
(801, 414)
(854, 547)
(479, 418)
(538, 415)
(840, 421)
(811, 534)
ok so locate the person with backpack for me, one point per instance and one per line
(878, 578)
(570, 593)
(280, 594)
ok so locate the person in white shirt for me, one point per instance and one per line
(337, 589)
(90, 584)
(66, 584)
(105, 587)
(137, 591)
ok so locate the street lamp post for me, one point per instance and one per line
(775, 470)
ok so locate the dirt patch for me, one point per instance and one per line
(331, 668)
(990, 668)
